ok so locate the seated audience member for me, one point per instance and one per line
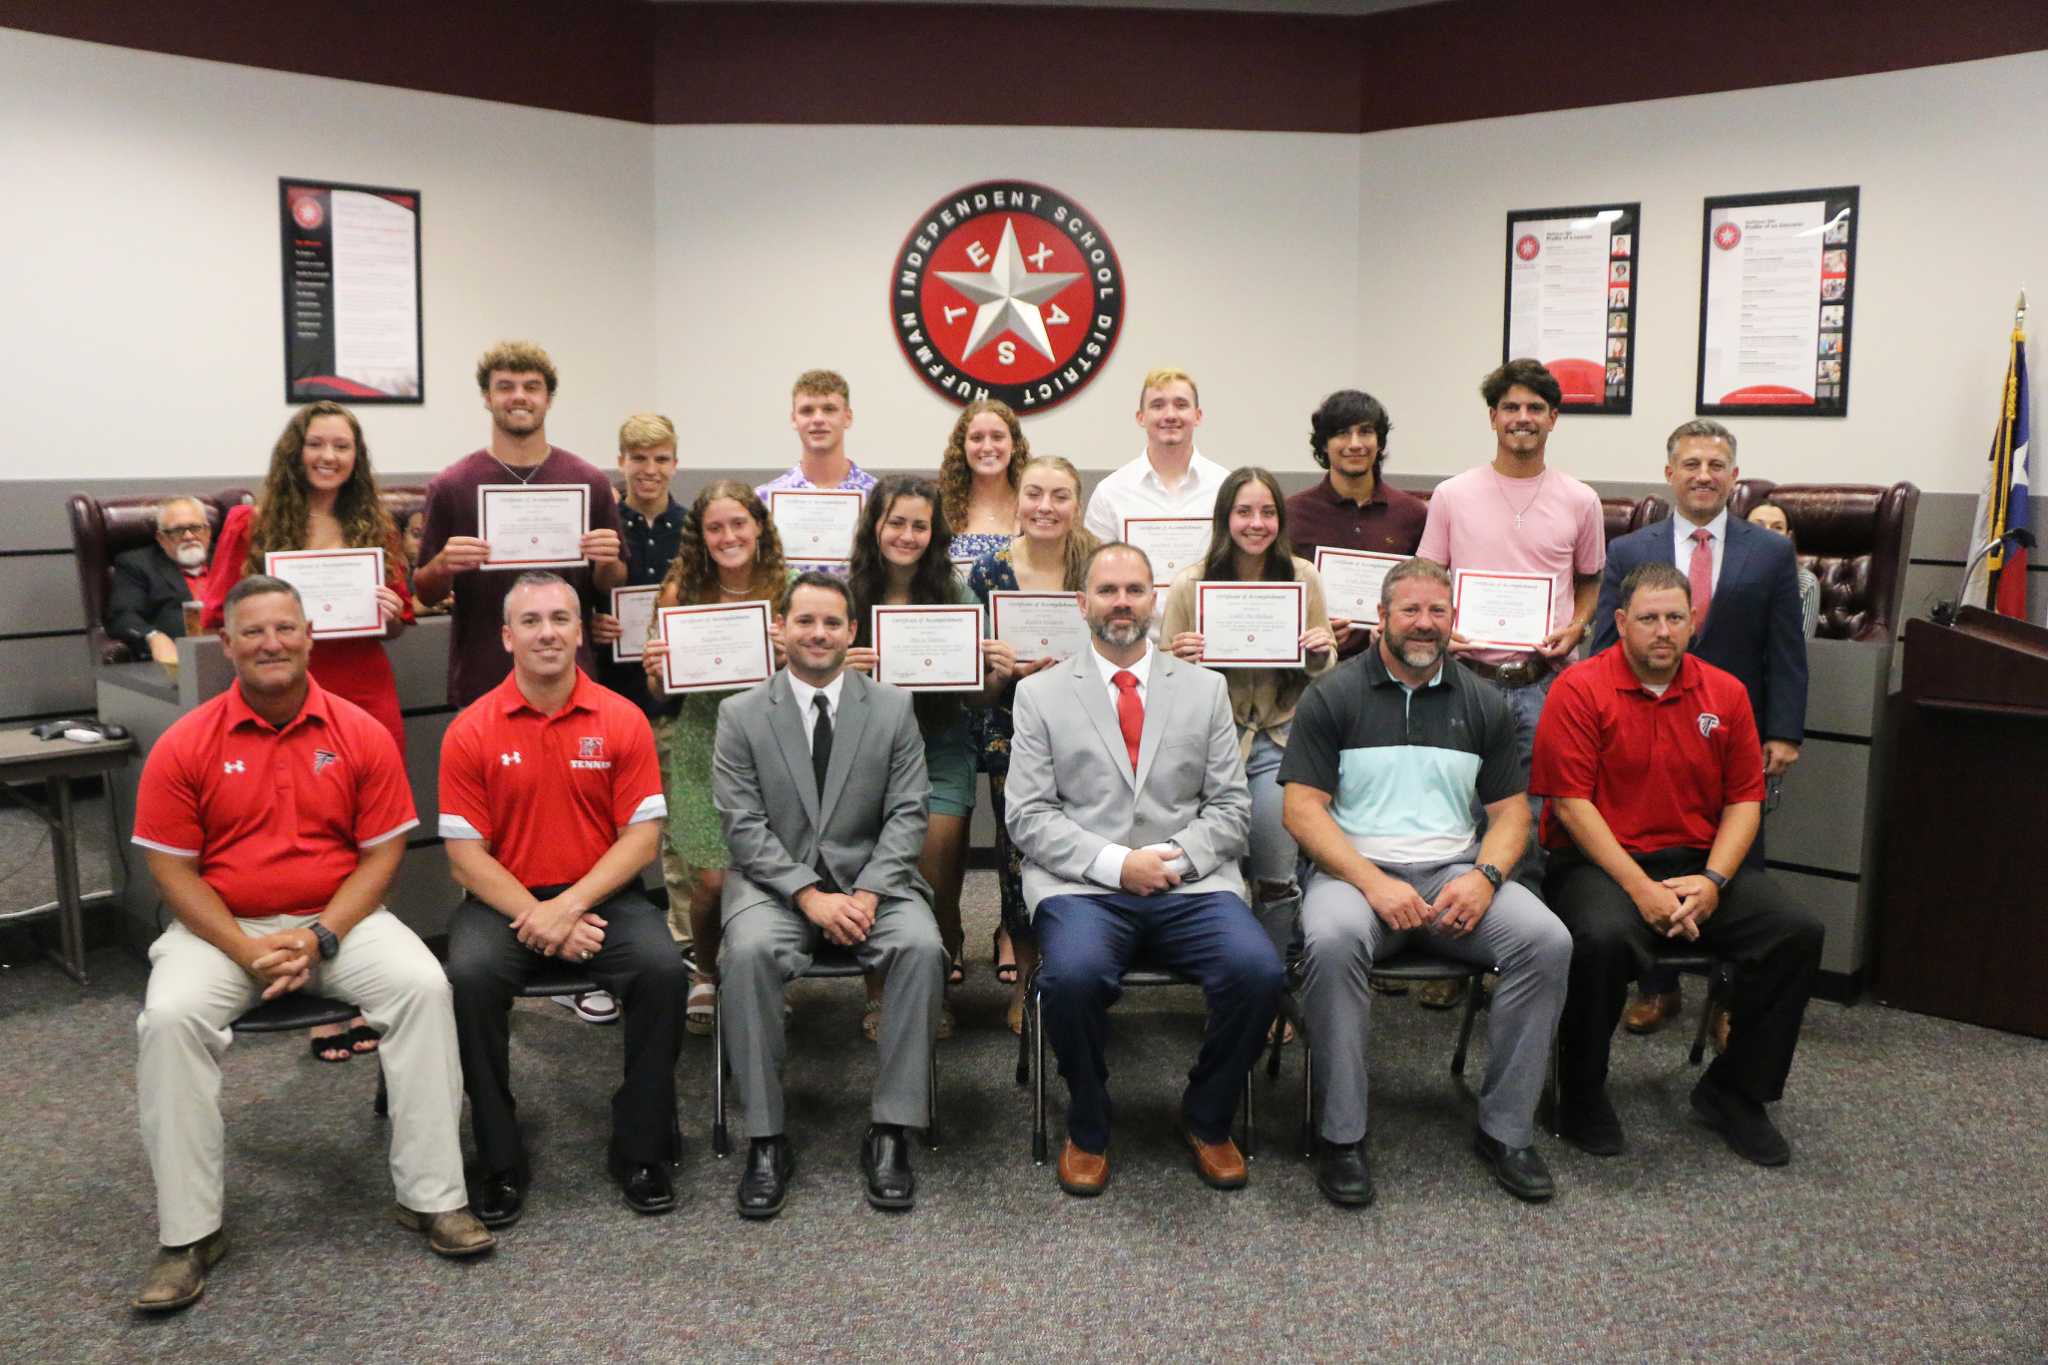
(819, 776)
(1353, 508)
(152, 583)
(550, 808)
(276, 891)
(1653, 777)
(1390, 756)
(1772, 517)
(1127, 800)
(410, 536)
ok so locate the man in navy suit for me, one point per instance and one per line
(1749, 580)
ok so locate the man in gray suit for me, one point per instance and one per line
(1127, 799)
(819, 778)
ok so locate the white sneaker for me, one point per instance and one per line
(592, 1007)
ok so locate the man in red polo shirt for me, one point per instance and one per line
(1654, 780)
(272, 819)
(551, 807)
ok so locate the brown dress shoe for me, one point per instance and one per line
(179, 1276)
(1220, 1164)
(1440, 995)
(1083, 1173)
(454, 1233)
(1649, 1013)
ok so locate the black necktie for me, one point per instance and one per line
(821, 742)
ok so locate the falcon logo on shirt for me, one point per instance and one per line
(507, 760)
(322, 759)
(234, 766)
(1708, 722)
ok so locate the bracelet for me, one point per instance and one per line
(1720, 882)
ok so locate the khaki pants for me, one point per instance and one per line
(195, 992)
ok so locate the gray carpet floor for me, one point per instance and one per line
(1912, 1224)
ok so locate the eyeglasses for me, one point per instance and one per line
(182, 532)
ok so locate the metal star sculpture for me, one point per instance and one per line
(1009, 296)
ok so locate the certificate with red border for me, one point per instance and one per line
(1171, 543)
(715, 648)
(533, 525)
(1506, 609)
(1038, 625)
(1251, 625)
(633, 609)
(928, 649)
(817, 526)
(1351, 582)
(337, 587)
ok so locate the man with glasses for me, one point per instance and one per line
(152, 583)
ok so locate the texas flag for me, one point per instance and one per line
(2004, 518)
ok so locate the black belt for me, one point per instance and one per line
(1526, 671)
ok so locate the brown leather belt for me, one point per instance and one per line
(1523, 672)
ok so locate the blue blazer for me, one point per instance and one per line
(1754, 629)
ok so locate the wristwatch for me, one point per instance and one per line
(1491, 873)
(329, 944)
(1720, 882)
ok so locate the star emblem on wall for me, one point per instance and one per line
(1008, 295)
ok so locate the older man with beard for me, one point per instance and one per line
(1386, 757)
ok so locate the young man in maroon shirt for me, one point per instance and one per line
(1654, 780)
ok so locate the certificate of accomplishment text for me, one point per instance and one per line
(1038, 625)
(338, 587)
(1511, 609)
(1251, 625)
(928, 649)
(715, 648)
(816, 527)
(634, 609)
(533, 526)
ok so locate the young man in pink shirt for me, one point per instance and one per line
(1516, 514)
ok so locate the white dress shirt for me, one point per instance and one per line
(1681, 544)
(1135, 490)
(1108, 867)
(802, 692)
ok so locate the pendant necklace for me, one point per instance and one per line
(1523, 509)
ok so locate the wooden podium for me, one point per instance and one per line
(1963, 924)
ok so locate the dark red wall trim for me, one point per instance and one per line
(1050, 66)
(585, 57)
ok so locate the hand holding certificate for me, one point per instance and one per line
(634, 609)
(1171, 543)
(1502, 609)
(714, 648)
(816, 527)
(1038, 625)
(1251, 625)
(928, 649)
(338, 588)
(1351, 582)
(533, 526)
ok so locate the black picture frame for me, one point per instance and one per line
(306, 268)
(1835, 305)
(1616, 372)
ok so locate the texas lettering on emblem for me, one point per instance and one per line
(1007, 290)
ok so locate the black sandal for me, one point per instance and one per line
(1006, 972)
(956, 971)
(331, 1043)
(360, 1035)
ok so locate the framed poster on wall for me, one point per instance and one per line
(1571, 300)
(1777, 290)
(351, 256)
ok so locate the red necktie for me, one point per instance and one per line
(1702, 575)
(1130, 712)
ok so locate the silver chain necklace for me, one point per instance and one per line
(529, 475)
(1523, 510)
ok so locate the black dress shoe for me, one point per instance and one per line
(1520, 1170)
(765, 1182)
(1743, 1122)
(885, 1163)
(500, 1199)
(1593, 1127)
(646, 1187)
(1344, 1176)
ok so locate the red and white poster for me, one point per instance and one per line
(1776, 285)
(1571, 291)
(351, 293)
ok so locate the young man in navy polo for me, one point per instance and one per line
(1648, 759)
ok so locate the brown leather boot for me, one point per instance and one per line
(1648, 1013)
(179, 1276)
(454, 1233)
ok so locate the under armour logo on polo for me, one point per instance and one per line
(507, 760)
(1709, 722)
(235, 766)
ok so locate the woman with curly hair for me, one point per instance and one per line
(901, 557)
(978, 478)
(1049, 554)
(321, 494)
(729, 552)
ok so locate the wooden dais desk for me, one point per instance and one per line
(24, 758)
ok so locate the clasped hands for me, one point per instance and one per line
(1677, 906)
(1455, 912)
(282, 961)
(562, 928)
(845, 919)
